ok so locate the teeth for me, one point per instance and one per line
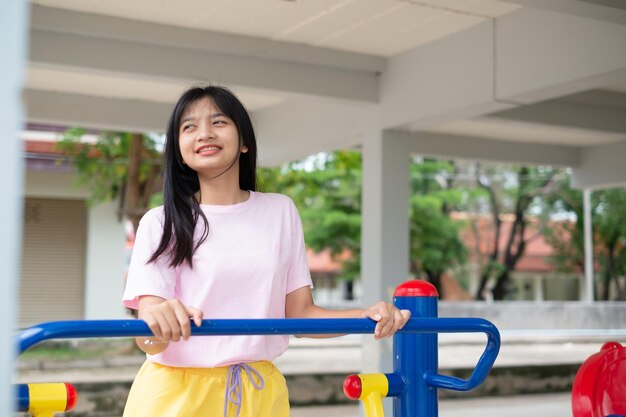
(210, 148)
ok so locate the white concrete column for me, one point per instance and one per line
(385, 233)
(385, 230)
(14, 23)
(588, 234)
(105, 264)
(538, 288)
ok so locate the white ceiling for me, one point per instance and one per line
(376, 27)
(326, 62)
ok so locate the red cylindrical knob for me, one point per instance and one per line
(352, 387)
(72, 397)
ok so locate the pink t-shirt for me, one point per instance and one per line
(253, 257)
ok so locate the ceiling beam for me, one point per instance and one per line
(574, 113)
(301, 127)
(613, 11)
(476, 148)
(443, 81)
(601, 167)
(75, 110)
(542, 55)
(73, 51)
(521, 58)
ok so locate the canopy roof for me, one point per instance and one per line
(540, 82)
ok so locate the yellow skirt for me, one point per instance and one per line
(165, 391)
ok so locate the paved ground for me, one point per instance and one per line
(455, 351)
(343, 355)
(550, 405)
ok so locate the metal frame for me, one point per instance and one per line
(416, 379)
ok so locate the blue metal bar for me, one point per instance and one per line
(484, 364)
(128, 328)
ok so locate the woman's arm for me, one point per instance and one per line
(169, 320)
(299, 304)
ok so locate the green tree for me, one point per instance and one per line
(611, 230)
(435, 243)
(517, 191)
(119, 165)
(327, 190)
(608, 211)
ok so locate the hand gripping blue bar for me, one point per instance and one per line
(128, 328)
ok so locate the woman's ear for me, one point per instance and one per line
(244, 149)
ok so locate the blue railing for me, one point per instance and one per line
(415, 346)
(128, 328)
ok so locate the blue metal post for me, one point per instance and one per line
(415, 354)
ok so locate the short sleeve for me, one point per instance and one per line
(154, 278)
(298, 274)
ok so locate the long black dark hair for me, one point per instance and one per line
(180, 183)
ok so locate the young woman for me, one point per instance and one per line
(217, 248)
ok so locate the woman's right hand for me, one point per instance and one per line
(169, 321)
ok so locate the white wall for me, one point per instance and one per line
(105, 266)
(52, 185)
(105, 263)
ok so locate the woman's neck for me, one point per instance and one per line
(221, 192)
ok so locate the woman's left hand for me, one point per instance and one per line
(389, 318)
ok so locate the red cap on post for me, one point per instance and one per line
(416, 288)
(352, 387)
(72, 397)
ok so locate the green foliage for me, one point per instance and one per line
(327, 190)
(102, 166)
(610, 231)
(608, 211)
(565, 237)
(435, 243)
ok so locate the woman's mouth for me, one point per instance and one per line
(208, 150)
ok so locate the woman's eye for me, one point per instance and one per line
(219, 122)
(187, 127)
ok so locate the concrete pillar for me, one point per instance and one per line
(105, 264)
(385, 232)
(14, 23)
(538, 288)
(588, 233)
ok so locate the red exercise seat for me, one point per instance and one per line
(600, 384)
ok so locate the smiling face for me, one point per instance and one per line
(208, 140)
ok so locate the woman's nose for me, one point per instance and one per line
(205, 132)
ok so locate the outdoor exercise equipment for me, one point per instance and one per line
(45, 400)
(413, 384)
(599, 388)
